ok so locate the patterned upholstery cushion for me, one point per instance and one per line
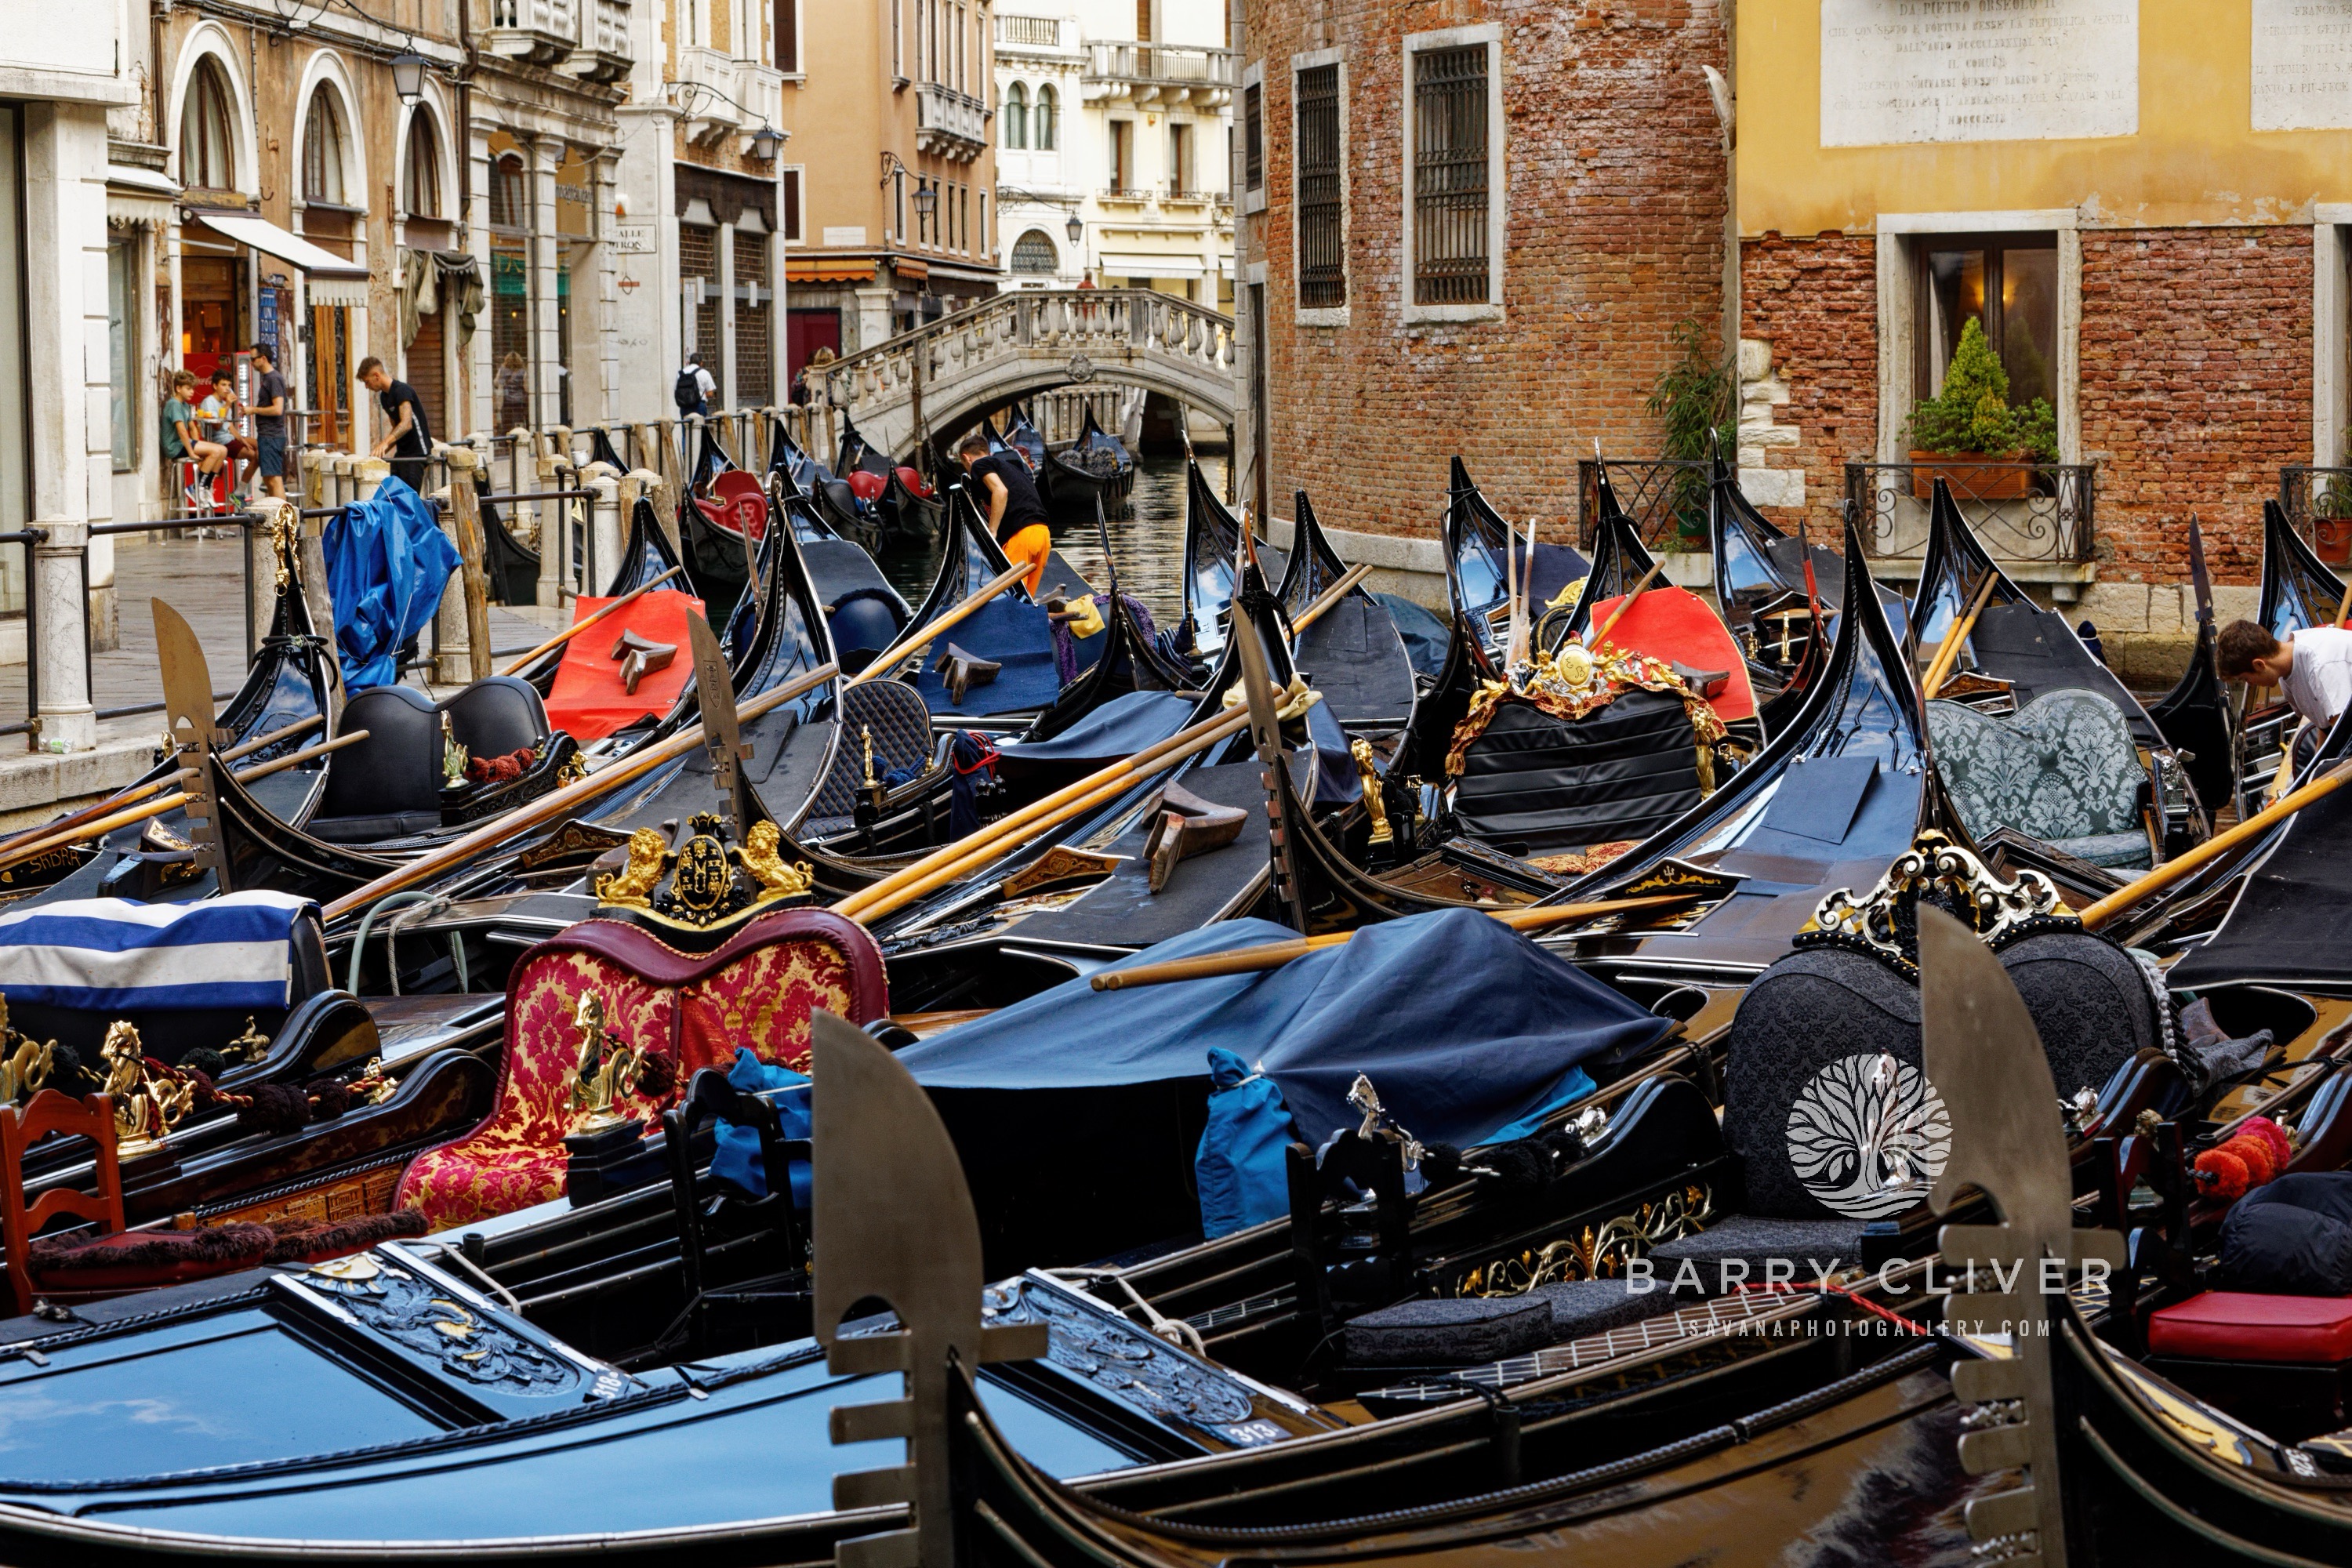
(2063, 769)
(900, 723)
(758, 990)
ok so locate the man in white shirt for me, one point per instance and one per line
(2313, 667)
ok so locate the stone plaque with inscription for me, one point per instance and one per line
(1979, 70)
(2303, 65)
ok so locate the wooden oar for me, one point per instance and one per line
(578, 626)
(124, 797)
(1008, 833)
(2171, 871)
(886, 662)
(1274, 954)
(547, 808)
(158, 807)
(1940, 669)
(1626, 603)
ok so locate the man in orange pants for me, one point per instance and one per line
(1015, 514)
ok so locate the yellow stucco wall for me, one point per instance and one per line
(2195, 160)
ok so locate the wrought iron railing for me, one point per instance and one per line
(1665, 496)
(2022, 512)
(2318, 505)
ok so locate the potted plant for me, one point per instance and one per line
(1971, 416)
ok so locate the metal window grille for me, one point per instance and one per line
(697, 257)
(1322, 258)
(754, 329)
(1450, 260)
(1253, 140)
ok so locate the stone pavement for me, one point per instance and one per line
(204, 579)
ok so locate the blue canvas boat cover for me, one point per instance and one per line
(1119, 728)
(1425, 636)
(1463, 1026)
(1017, 634)
(387, 562)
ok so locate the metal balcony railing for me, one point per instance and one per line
(2040, 513)
(1665, 496)
(2318, 505)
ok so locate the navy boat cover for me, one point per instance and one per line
(1463, 1026)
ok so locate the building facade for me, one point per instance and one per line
(888, 180)
(2142, 204)
(1469, 227)
(1113, 145)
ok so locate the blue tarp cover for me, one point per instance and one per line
(387, 562)
(1016, 635)
(1425, 638)
(1463, 1026)
(1119, 728)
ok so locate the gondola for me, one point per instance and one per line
(2196, 718)
(1480, 548)
(722, 532)
(1620, 561)
(1762, 585)
(510, 566)
(909, 509)
(1352, 654)
(1021, 434)
(2025, 655)
(865, 613)
(835, 502)
(1213, 556)
(1095, 466)
(2298, 589)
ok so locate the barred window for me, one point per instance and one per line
(1252, 141)
(1035, 253)
(1322, 245)
(1450, 260)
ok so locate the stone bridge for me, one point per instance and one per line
(936, 381)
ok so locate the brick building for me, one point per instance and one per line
(2142, 204)
(1469, 226)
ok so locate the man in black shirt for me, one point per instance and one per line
(269, 410)
(409, 441)
(1015, 514)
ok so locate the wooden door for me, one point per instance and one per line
(330, 378)
(428, 374)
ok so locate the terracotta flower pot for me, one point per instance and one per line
(1971, 475)
(2332, 539)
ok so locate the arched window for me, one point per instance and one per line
(420, 186)
(1043, 122)
(1034, 252)
(207, 145)
(323, 149)
(509, 194)
(1016, 116)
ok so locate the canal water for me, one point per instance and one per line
(1147, 544)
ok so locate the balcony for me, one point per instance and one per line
(1162, 75)
(2026, 513)
(1035, 35)
(535, 32)
(604, 52)
(708, 79)
(949, 124)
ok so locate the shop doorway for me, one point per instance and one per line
(805, 331)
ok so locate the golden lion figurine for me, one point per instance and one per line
(635, 883)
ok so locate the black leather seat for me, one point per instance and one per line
(1541, 785)
(900, 723)
(390, 784)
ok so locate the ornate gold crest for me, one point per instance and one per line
(710, 882)
(1885, 922)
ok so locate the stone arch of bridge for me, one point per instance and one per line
(1012, 383)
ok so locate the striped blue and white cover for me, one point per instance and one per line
(114, 955)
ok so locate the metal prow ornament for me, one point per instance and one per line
(894, 1221)
(2009, 1141)
(714, 690)
(188, 710)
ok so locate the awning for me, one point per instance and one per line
(818, 270)
(907, 267)
(291, 248)
(1141, 264)
(139, 195)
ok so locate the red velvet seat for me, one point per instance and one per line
(756, 989)
(2236, 1325)
(866, 485)
(738, 502)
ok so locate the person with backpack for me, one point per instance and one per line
(695, 388)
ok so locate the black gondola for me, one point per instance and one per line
(1213, 555)
(1094, 466)
(1352, 653)
(1620, 560)
(1480, 549)
(2196, 717)
(908, 510)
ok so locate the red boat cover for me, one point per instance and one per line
(1677, 625)
(589, 702)
(867, 487)
(2238, 1325)
(737, 504)
(914, 482)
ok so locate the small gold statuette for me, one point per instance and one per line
(147, 1105)
(1361, 750)
(761, 858)
(24, 1068)
(454, 757)
(872, 784)
(247, 1047)
(635, 884)
(710, 881)
(608, 1069)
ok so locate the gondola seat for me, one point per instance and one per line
(389, 786)
(756, 989)
(2064, 769)
(899, 721)
(738, 503)
(1536, 783)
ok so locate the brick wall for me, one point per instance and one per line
(1613, 232)
(1815, 302)
(2196, 386)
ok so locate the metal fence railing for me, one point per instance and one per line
(2318, 501)
(2023, 511)
(1665, 496)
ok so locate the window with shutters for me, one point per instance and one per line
(788, 37)
(1452, 128)
(1253, 140)
(1016, 117)
(788, 204)
(1316, 162)
(1042, 129)
(208, 144)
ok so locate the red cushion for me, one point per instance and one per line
(742, 504)
(590, 700)
(914, 482)
(867, 487)
(2238, 1325)
(1676, 624)
(200, 1255)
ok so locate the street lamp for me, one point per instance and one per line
(927, 202)
(766, 142)
(1077, 228)
(408, 75)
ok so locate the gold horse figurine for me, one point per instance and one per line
(146, 1106)
(25, 1068)
(609, 1067)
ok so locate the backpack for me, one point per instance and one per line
(688, 393)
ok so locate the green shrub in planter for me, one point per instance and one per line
(1972, 413)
